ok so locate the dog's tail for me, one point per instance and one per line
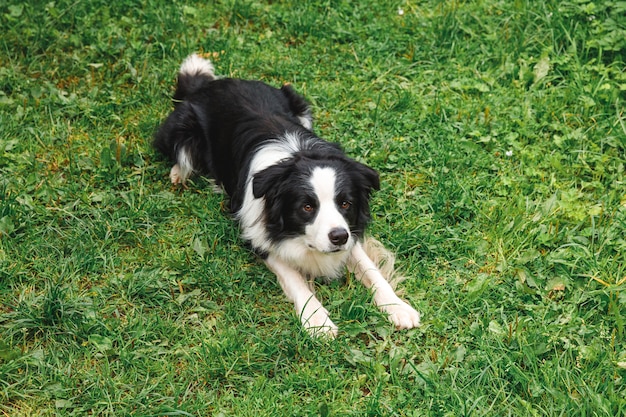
(384, 259)
(193, 73)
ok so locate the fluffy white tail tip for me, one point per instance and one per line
(194, 65)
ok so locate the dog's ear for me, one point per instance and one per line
(368, 177)
(270, 178)
(365, 180)
(270, 183)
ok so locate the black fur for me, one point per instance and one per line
(223, 123)
(290, 178)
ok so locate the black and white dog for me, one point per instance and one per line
(302, 204)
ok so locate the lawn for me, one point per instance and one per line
(499, 131)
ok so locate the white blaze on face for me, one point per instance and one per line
(328, 217)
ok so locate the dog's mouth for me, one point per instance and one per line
(335, 249)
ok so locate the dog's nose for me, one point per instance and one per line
(338, 236)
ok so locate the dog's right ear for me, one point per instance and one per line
(270, 178)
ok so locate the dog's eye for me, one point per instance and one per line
(346, 205)
(307, 208)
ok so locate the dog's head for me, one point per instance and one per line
(319, 200)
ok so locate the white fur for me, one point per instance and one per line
(402, 315)
(196, 65)
(311, 252)
(297, 253)
(313, 316)
(328, 217)
(175, 175)
(306, 121)
(251, 213)
(183, 169)
(384, 259)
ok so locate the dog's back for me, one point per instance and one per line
(209, 112)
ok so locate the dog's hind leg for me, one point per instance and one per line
(183, 140)
(178, 175)
(299, 107)
(183, 168)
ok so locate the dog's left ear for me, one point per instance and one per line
(269, 179)
(367, 176)
(366, 180)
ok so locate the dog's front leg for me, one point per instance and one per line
(400, 313)
(313, 315)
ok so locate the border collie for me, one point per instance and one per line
(302, 204)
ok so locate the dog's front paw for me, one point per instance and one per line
(319, 324)
(402, 315)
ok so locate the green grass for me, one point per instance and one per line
(499, 130)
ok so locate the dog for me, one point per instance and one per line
(302, 204)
